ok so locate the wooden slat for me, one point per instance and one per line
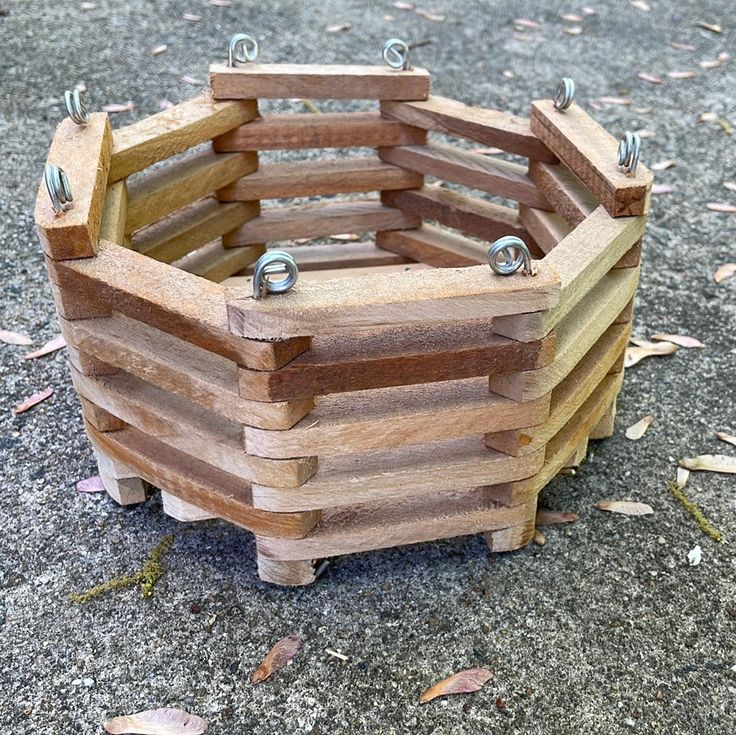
(395, 357)
(115, 213)
(482, 219)
(157, 194)
(173, 131)
(564, 191)
(83, 152)
(582, 259)
(394, 299)
(319, 130)
(489, 127)
(185, 426)
(449, 163)
(434, 246)
(216, 263)
(204, 486)
(319, 178)
(179, 367)
(191, 227)
(547, 228)
(319, 220)
(317, 81)
(591, 153)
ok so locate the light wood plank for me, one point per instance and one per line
(564, 191)
(115, 213)
(434, 246)
(217, 263)
(547, 228)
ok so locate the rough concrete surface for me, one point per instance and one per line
(581, 634)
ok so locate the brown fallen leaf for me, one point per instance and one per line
(539, 538)
(114, 107)
(222, 3)
(470, 680)
(573, 30)
(682, 340)
(280, 654)
(553, 517)
(164, 721)
(728, 438)
(682, 46)
(725, 271)
(192, 80)
(339, 28)
(90, 485)
(192, 17)
(712, 27)
(525, 23)
(730, 185)
(633, 355)
(625, 507)
(663, 165)
(710, 463)
(572, 18)
(637, 430)
(662, 189)
(404, 6)
(345, 237)
(615, 100)
(646, 133)
(723, 57)
(156, 50)
(57, 343)
(707, 117)
(34, 400)
(640, 5)
(14, 338)
(651, 78)
(487, 151)
(429, 15)
(724, 207)
(725, 125)
(682, 74)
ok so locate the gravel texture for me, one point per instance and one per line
(606, 629)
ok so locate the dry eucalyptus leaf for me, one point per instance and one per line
(646, 133)
(428, 15)
(729, 438)
(640, 5)
(90, 485)
(682, 476)
(470, 680)
(553, 517)
(164, 721)
(651, 78)
(192, 80)
(662, 189)
(625, 507)
(707, 117)
(682, 340)
(682, 46)
(14, 338)
(526, 23)
(639, 353)
(615, 100)
(723, 57)
(682, 74)
(222, 3)
(192, 17)
(487, 151)
(730, 185)
(57, 343)
(724, 207)
(710, 463)
(404, 6)
(34, 400)
(712, 27)
(573, 30)
(725, 125)
(158, 49)
(637, 430)
(727, 270)
(114, 107)
(345, 237)
(280, 654)
(539, 538)
(572, 18)
(339, 28)
(663, 165)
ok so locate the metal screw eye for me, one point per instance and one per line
(629, 148)
(565, 94)
(396, 54)
(242, 49)
(273, 263)
(508, 254)
(57, 185)
(76, 106)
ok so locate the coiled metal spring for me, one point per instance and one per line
(508, 254)
(565, 94)
(76, 105)
(274, 263)
(57, 185)
(396, 54)
(629, 148)
(242, 49)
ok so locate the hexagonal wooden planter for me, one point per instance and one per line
(401, 391)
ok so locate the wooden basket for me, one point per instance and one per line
(401, 391)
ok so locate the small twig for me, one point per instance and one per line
(419, 44)
(705, 525)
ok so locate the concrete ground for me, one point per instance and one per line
(605, 629)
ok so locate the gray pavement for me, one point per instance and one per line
(581, 634)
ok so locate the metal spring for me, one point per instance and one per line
(629, 148)
(396, 54)
(515, 255)
(242, 49)
(272, 263)
(57, 185)
(565, 94)
(76, 106)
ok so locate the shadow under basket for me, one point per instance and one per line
(401, 391)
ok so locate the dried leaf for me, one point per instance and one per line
(572, 17)
(646, 133)
(339, 28)
(725, 125)
(573, 30)
(222, 3)
(663, 165)
(710, 463)
(695, 556)
(727, 270)
(280, 654)
(682, 46)
(707, 117)
(470, 680)
(729, 438)
(615, 100)
(91, 485)
(637, 430)
(539, 538)
(725, 207)
(681, 340)
(192, 80)
(114, 107)
(730, 185)
(640, 5)
(723, 57)
(33, 400)
(192, 17)
(553, 517)
(487, 151)
(662, 189)
(404, 6)
(638, 353)
(428, 15)
(164, 721)
(682, 476)
(526, 23)
(345, 237)
(651, 78)
(14, 338)
(156, 50)
(712, 27)
(625, 507)
(165, 104)
(682, 74)
(52, 345)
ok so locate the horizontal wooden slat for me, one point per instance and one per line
(319, 220)
(564, 191)
(319, 178)
(157, 194)
(172, 131)
(304, 130)
(317, 81)
(591, 153)
(495, 128)
(216, 262)
(395, 357)
(547, 228)
(449, 163)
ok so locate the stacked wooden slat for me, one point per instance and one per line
(400, 392)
